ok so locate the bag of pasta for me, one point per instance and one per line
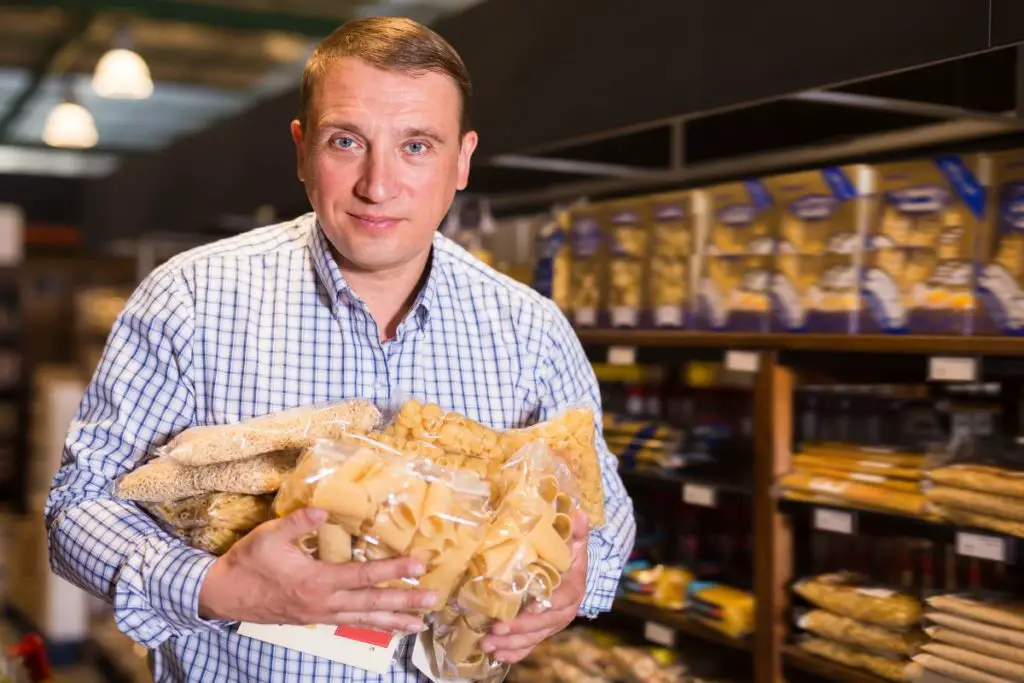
(852, 596)
(383, 503)
(525, 552)
(454, 440)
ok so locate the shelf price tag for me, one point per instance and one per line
(981, 547)
(834, 521)
(742, 361)
(660, 635)
(942, 369)
(621, 355)
(699, 495)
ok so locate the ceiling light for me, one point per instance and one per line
(70, 125)
(122, 74)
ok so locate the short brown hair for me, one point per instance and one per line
(392, 43)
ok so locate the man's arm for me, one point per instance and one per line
(567, 380)
(141, 393)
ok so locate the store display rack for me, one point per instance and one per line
(678, 622)
(773, 360)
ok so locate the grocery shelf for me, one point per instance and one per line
(643, 477)
(678, 622)
(844, 343)
(796, 658)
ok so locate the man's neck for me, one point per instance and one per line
(389, 295)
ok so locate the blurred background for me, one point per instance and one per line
(131, 130)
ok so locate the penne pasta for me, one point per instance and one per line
(335, 543)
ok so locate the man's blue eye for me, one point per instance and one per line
(344, 143)
(417, 147)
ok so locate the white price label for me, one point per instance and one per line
(625, 316)
(585, 317)
(622, 355)
(981, 547)
(701, 496)
(952, 369)
(668, 316)
(834, 521)
(742, 361)
(661, 635)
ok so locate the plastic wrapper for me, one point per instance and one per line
(956, 671)
(990, 504)
(638, 665)
(214, 540)
(164, 481)
(869, 478)
(878, 457)
(941, 634)
(855, 633)
(850, 595)
(291, 429)
(867, 495)
(234, 511)
(663, 586)
(978, 629)
(977, 520)
(525, 551)
(454, 440)
(381, 504)
(992, 665)
(889, 669)
(727, 610)
(982, 479)
(1002, 613)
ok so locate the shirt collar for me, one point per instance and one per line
(333, 279)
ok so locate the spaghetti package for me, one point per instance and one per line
(234, 511)
(852, 596)
(526, 549)
(291, 429)
(849, 631)
(383, 503)
(454, 440)
(889, 669)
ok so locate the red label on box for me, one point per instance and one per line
(364, 635)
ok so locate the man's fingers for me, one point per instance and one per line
(382, 600)
(356, 575)
(519, 641)
(295, 524)
(527, 624)
(580, 526)
(383, 621)
(512, 656)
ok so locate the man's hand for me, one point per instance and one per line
(265, 578)
(512, 641)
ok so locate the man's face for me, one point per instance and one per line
(382, 157)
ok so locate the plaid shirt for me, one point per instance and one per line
(262, 322)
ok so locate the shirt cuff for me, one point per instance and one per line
(157, 592)
(602, 581)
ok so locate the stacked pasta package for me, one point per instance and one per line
(212, 484)
(489, 513)
(860, 625)
(973, 639)
(850, 475)
(979, 496)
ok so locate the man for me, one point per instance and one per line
(361, 298)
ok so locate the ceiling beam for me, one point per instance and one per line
(220, 16)
(76, 23)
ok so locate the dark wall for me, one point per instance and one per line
(44, 199)
(551, 70)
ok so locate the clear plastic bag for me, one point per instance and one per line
(163, 480)
(850, 595)
(382, 503)
(291, 429)
(855, 633)
(454, 440)
(525, 551)
(234, 511)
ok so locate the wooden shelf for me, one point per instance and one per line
(641, 477)
(852, 343)
(679, 622)
(798, 659)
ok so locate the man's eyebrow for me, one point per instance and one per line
(332, 124)
(424, 133)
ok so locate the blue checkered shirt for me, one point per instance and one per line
(262, 322)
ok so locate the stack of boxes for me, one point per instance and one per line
(931, 246)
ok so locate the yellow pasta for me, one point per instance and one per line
(334, 543)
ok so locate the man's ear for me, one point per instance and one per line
(469, 142)
(300, 149)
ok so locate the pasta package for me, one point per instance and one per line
(292, 429)
(982, 478)
(990, 504)
(525, 550)
(726, 610)
(454, 440)
(978, 629)
(233, 511)
(383, 503)
(941, 634)
(857, 493)
(850, 595)
(956, 672)
(852, 632)
(976, 520)
(162, 480)
(992, 665)
(1003, 613)
(889, 669)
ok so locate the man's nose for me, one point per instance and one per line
(378, 182)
